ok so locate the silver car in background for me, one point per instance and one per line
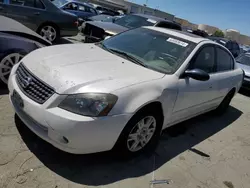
(41, 16)
(243, 62)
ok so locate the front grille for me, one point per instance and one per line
(31, 86)
(247, 76)
(93, 31)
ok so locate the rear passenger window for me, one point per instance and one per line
(82, 8)
(39, 4)
(224, 60)
(205, 60)
(92, 11)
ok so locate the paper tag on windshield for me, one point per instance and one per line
(151, 21)
(175, 41)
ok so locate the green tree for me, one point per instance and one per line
(218, 33)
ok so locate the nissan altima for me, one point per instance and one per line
(121, 93)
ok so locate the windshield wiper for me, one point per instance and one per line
(129, 57)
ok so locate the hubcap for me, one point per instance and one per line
(49, 33)
(6, 65)
(141, 133)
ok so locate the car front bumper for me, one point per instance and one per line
(53, 124)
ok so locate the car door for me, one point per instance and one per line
(27, 12)
(196, 96)
(225, 68)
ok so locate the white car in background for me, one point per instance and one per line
(121, 93)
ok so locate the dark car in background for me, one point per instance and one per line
(243, 62)
(16, 41)
(103, 18)
(104, 10)
(42, 16)
(199, 33)
(232, 46)
(80, 9)
(95, 31)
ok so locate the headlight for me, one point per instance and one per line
(89, 104)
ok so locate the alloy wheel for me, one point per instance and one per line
(141, 134)
(6, 65)
(49, 33)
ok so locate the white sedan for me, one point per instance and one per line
(122, 92)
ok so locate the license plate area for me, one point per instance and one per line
(17, 99)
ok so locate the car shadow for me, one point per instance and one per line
(244, 92)
(105, 168)
(3, 89)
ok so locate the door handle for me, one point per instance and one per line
(37, 13)
(210, 87)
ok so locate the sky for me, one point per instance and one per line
(224, 14)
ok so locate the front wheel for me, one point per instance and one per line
(141, 133)
(7, 61)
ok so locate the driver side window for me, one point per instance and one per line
(205, 60)
(71, 6)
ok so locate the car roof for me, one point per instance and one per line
(81, 3)
(181, 34)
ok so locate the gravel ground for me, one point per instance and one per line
(204, 152)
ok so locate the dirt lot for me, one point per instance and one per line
(205, 152)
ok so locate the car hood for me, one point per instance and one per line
(246, 68)
(8, 25)
(109, 27)
(80, 68)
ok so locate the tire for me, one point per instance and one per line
(49, 32)
(222, 108)
(124, 145)
(7, 61)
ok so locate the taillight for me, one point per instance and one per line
(76, 23)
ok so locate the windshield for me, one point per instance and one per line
(154, 50)
(59, 3)
(134, 21)
(244, 59)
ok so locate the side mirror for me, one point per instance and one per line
(197, 74)
(107, 37)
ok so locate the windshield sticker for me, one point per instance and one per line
(175, 41)
(151, 21)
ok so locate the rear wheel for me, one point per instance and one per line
(8, 60)
(49, 32)
(222, 108)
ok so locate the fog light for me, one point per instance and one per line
(64, 140)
